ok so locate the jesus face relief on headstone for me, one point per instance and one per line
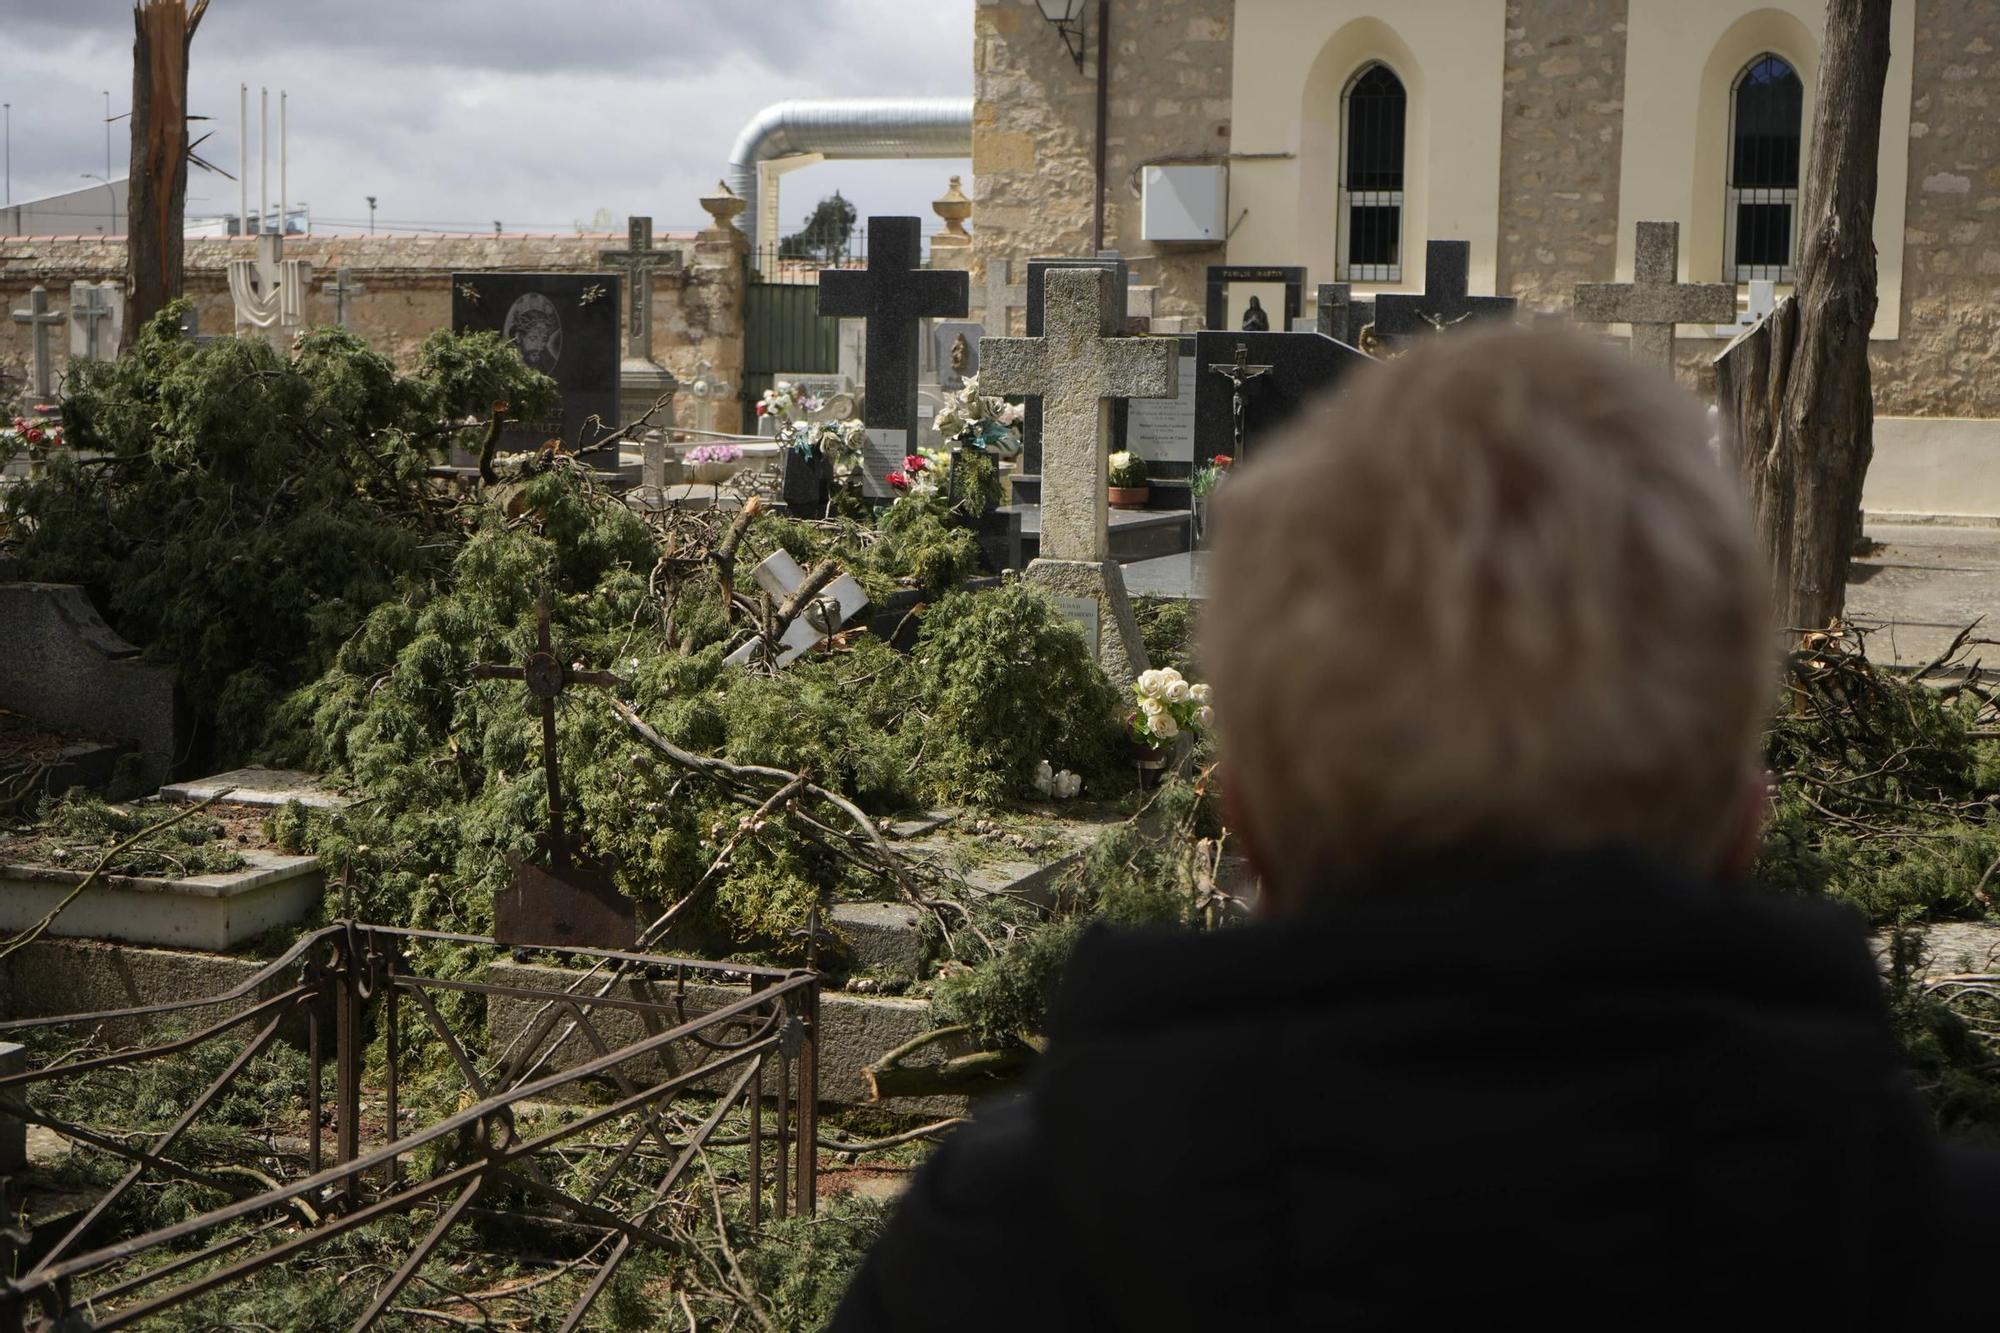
(536, 328)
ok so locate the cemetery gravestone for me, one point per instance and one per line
(642, 381)
(1340, 316)
(340, 289)
(96, 320)
(1162, 430)
(1038, 270)
(1656, 300)
(1220, 276)
(566, 325)
(1290, 369)
(894, 295)
(269, 292)
(40, 319)
(1079, 364)
(1444, 302)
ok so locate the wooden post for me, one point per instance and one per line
(1796, 389)
(157, 200)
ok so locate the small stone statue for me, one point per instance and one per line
(961, 352)
(1254, 319)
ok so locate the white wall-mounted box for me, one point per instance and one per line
(1184, 204)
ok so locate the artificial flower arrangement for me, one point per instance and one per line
(917, 478)
(1210, 474)
(785, 400)
(37, 435)
(712, 453)
(1169, 705)
(972, 420)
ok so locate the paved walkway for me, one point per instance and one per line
(1921, 585)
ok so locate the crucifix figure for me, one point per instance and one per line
(1655, 300)
(572, 901)
(1078, 366)
(91, 304)
(40, 319)
(1443, 302)
(342, 287)
(639, 261)
(1000, 299)
(1239, 372)
(269, 291)
(895, 295)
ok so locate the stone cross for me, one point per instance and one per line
(342, 287)
(895, 295)
(269, 292)
(1077, 367)
(1655, 300)
(91, 304)
(842, 600)
(40, 319)
(1001, 298)
(1444, 301)
(638, 261)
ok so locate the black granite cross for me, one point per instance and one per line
(894, 294)
(1443, 302)
(573, 901)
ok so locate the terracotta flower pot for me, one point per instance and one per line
(1130, 497)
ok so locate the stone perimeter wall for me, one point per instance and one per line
(1034, 121)
(697, 315)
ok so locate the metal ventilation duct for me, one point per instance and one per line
(847, 127)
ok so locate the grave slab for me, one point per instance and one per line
(261, 787)
(882, 938)
(214, 912)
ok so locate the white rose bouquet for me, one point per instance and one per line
(1168, 705)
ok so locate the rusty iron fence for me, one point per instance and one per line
(618, 1052)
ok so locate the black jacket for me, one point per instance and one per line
(1580, 1093)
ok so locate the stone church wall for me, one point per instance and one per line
(697, 316)
(1034, 122)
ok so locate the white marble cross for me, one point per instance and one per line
(838, 603)
(40, 319)
(269, 291)
(342, 287)
(1655, 300)
(1001, 298)
(1078, 366)
(92, 304)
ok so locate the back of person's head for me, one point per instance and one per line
(1496, 599)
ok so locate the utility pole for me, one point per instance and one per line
(263, 158)
(371, 215)
(284, 161)
(242, 159)
(9, 111)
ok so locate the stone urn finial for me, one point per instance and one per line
(723, 206)
(954, 208)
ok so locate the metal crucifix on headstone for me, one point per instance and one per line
(1656, 300)
(342, 287)
(895, 295)
(1443, 303)
(572, 901)
(1239, 372)
(1077, 366)
(40, 319)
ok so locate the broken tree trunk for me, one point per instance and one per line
(157, 202)
(1795, 390)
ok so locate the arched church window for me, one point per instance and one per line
(1373, 112)
(1767, 108)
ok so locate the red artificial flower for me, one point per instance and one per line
(898, 481)
(914, 463)
(1224, 461)
(34, 435)
(20, 423)
(760, 409)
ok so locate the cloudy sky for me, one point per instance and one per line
(458, 113)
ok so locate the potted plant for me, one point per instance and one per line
(1128, 481)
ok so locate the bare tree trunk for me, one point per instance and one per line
(157, 206)
(1797, 390)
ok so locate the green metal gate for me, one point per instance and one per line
(783, 333)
